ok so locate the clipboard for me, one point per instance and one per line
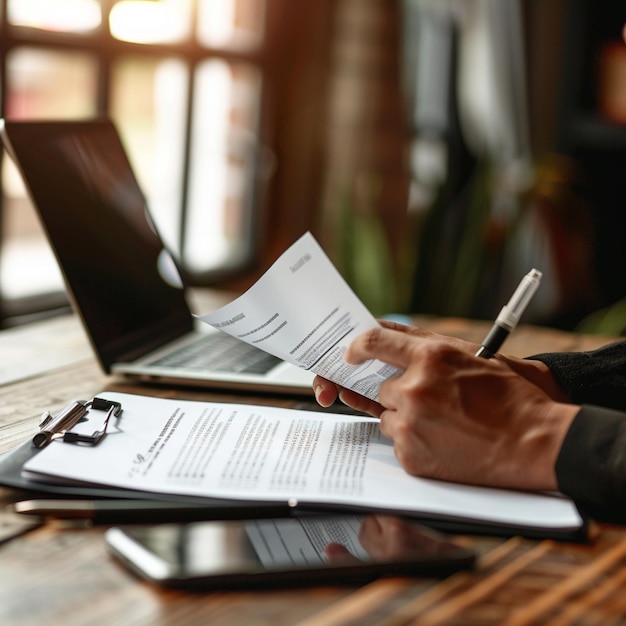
(226, 509)
(12, 463)
(230, 506)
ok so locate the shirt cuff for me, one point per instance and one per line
(591, 466)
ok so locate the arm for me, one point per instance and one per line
(596, 377)
(591, 465)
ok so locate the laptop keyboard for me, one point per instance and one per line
(219, 353)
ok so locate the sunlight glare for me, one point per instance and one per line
(216, 21)
(230, 23)
(150, 21)
(76, 16)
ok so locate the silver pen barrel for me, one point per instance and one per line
(63, 420)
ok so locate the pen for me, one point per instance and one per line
(60, 425)
(510, 314)
(121, 511)
(51, 426)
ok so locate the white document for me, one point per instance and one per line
(259, 453)
(302, 311)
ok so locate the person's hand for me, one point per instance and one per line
(454, 416)
(327, 392)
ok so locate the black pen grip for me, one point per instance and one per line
(494, 339)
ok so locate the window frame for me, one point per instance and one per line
(106, 49)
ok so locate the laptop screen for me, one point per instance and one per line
(122, 281)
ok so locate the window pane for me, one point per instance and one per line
(231, 23)
(150, 22)
(43, 83)
(40, 84)
(224, 150)
(27, 264)
(72, 16)
(149, 107)
(148, 100)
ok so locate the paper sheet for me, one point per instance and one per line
(270, 454)
(302, 311)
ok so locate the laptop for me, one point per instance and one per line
(121, 280)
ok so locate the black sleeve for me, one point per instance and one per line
(591, 466)
(596, 377)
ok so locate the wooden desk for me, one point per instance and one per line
(58, 574)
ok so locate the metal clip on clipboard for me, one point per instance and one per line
(60, 425)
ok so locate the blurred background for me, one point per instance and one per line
(438, 149)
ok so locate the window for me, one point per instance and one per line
(184, 80)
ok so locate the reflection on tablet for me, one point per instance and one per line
(329, 549)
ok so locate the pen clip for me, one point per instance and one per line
(52, 427)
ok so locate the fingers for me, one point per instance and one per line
(392, 343)
(326, 393)
(388, 345)
(395, 326)
(403, 328)
(388, 419)
(360, 403)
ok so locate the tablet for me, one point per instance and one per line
(337, 549)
